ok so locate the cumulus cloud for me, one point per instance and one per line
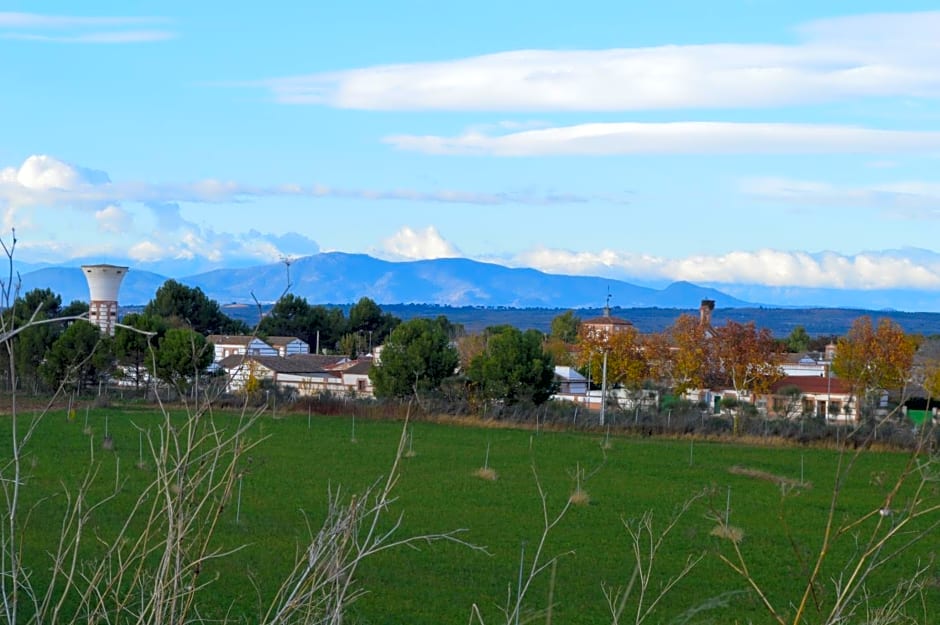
(80, 29)
(870, 270)
(113, 219)
(43, 182)
(676, 138)
(858, 56)
(419, 244)
(146, 251)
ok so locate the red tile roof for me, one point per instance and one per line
(812, 384)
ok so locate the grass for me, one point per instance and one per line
(287, 477)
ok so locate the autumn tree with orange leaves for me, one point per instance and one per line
(871, 358)
(626, 357)
(746, 357)
(679, 356)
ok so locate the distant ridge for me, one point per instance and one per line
(339, 278)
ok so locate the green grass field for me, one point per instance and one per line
(290, 471)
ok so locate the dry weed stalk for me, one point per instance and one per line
(151, 569)
(646, 542)
(579, 496)
(880, 535)
(513, 610)
(322, 583)
(486, 472)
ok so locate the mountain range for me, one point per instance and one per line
(339, 278)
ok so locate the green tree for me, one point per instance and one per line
(184, 306)
(513, 367)
(31, 347)
(366, 318)
(75, 308)
(417, 357)
(32, 344)
(798, 341)
(132, 349)
(565, 327)
(350, 345)
(79, 358)
(182, 356)
(292, 315)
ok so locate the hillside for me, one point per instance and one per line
(339, 278)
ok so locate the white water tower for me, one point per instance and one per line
(104, 282)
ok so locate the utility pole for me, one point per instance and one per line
(604, 388)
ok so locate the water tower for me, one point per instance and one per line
(104, 282)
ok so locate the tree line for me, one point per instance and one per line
(168, 340)
(512, 366)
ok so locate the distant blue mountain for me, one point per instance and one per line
(804, 297)
(338, 278)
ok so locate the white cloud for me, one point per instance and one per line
(870, 270)
(46, 181)
(676, 138)
(858, 56)
(113, 219)
(146, 251)
(42, 172)
(80, 29)
(419, 244)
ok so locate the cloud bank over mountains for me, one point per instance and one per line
(144, 223)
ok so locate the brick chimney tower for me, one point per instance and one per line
(705, 312)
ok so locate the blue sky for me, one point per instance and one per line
(729, 142)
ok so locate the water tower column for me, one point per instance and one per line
(104, 282)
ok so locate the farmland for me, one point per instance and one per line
(282, 497)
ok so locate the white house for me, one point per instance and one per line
(801, 395)
(356, 378)
(239, 345)
(804, 365)
(288, 345)
(570, 382)
(308, 374)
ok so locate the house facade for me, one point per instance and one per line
(796, 396)
(306, 374)
(239, 345)
(288, 345)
